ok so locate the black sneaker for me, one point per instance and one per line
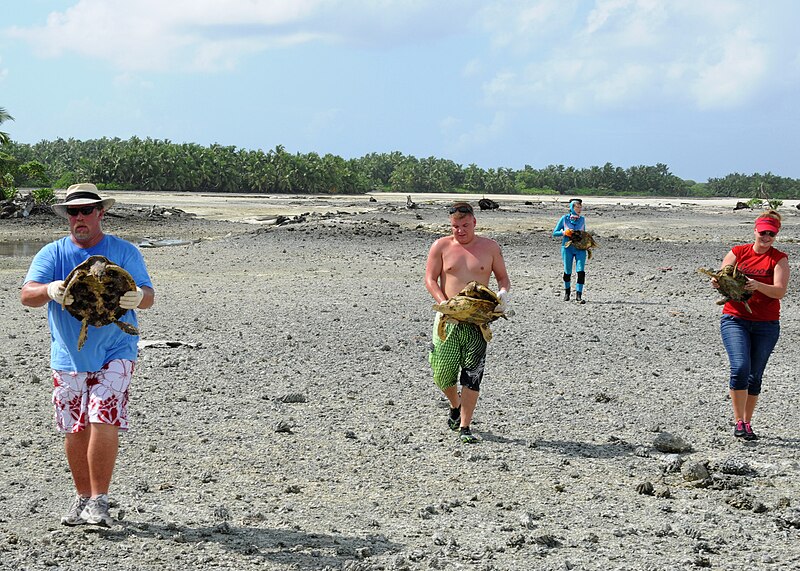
(454, 418)
(467, 437)
(578, 298)
(566, 295)
(748, 432)
(739, 431)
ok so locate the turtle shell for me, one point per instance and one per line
(477, 290)
(582, 240)
(474, 304)
(731, 284)
(96, 286)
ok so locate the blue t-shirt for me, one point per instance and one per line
(103, 344)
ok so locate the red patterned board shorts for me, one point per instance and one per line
(98, 396)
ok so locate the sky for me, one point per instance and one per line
(707, 87)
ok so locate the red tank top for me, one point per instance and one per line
(760, 267)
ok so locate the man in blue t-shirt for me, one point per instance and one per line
(90, 384)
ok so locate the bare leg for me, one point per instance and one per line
(469, 399)
(452, 395)
(739, 401)
(750, 406)
(102, 456)
(75, 446)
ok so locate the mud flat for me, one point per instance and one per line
(283, 415)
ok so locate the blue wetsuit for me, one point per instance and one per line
(570, 253)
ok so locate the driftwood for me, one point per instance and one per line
(741, 206)
(162, 243)
(22, 208)
(410, 204)
(166, 344)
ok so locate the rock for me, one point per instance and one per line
(546, 540)
(663, 493)
(644, 488)
(668, 442)
(734, 465)
(293, 398)
(672, 463)
(693, 471)
(284, 426)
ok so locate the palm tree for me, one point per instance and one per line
(4, 116)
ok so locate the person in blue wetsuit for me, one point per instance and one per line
(566, 225)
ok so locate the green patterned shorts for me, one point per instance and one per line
(464, 350)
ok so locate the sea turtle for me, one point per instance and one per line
(474, 304)
(582, 240)
(96, 286)
(731, 284)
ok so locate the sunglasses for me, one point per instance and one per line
(85, 210)
(768, 233)
(461, 209)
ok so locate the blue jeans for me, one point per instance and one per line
(749, 345)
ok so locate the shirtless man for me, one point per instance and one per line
(453, 262)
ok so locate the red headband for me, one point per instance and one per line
(767, 224)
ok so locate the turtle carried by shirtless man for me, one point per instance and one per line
(453, 262)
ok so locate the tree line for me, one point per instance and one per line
(161, 165)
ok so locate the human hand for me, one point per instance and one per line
(131, 299)
(504, 305)
(714, 283)
(55, 291)
(751, 284)
(567, 232)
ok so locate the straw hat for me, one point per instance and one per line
(80, 195)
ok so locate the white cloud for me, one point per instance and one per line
(211, 35)
(480, 135)
(3, 71)
(151, 34)
(623, 53)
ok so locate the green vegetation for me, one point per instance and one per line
(43, 196)
(7, 190)
(4, 116)
(158, 165)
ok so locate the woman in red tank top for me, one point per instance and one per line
(750, 336)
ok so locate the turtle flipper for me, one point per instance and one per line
(441, 328)
(127, 327)
(589, 254)
(747, 307)
(568, 243)
(82, 335)
(486, 331)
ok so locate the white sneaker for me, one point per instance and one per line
(73, 516)
(96, 512)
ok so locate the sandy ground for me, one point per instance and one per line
(293, 424)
